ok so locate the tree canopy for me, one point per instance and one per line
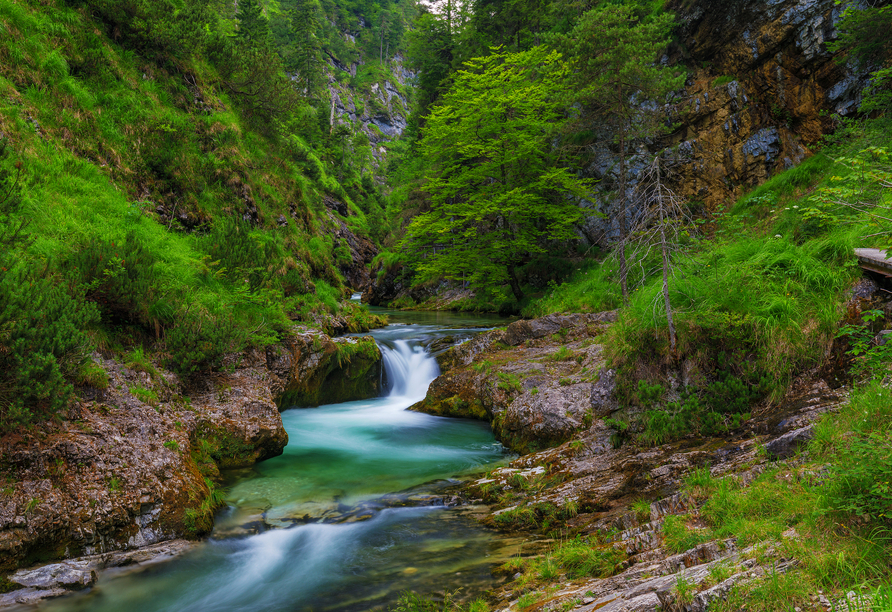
(498, 193)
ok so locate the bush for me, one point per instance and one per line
(41, 340)
(119, 276)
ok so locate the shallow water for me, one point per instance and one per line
(310, 530)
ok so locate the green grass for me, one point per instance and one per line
(592, 288)
(840, 544)
(756, 300)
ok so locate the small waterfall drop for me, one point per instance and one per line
(409, 369)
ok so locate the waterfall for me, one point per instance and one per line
(409, 369)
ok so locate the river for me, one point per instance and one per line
(342, 520)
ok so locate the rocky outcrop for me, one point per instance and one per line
(311, 369)
(133, 464)
(536, 394)
(381, 112)
(354, 253)
(600, 482)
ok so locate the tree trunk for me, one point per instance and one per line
(515, 285)
(664, 247)
(623, 225)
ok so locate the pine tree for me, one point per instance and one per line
(305, 55)
(253, 26)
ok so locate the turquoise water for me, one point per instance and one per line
(348, 517)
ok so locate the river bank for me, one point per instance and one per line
(301, 500)
(137, 459)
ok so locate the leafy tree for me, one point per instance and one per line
(497, 194)
(613, 72)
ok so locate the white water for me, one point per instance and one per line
(409, 370)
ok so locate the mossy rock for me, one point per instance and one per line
(333, 371)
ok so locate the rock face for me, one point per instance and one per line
(357, 252)
(762, 91)
(314, 369)
(127, 467)
(381, 112)
(536, 394)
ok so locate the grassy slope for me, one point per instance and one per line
(769, 288)
(106, 141)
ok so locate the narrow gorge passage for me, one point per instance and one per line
(343, 520)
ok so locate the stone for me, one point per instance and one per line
(65, 575)
(790, 443)
(603, 397)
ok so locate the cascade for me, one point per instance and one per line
(310, 530)
(409, 369)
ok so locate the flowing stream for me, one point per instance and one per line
(343, 520)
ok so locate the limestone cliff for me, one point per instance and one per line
(762, 90)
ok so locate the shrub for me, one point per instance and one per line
(41, 339)
(580, 559)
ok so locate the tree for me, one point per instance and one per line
(663, 224)
(613, 74)
(305, 51)
(252, 23)
(431, 48)
(497, 193)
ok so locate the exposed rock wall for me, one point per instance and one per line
(763, 89)
(381, 112)
(311, 369)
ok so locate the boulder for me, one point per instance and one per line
(543, 417)
(790, 443)
(322, 370)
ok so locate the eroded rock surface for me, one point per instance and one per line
(312, 369)
(132, 465)
(600, 482)
(533, 380)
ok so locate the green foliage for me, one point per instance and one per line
(870, 355)
(580, 558)
(592, 288)
(864, 32)
(497, 194)
(861, 473)
(508, 382)
(148, 396)
(562, 354)
(92, 374)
